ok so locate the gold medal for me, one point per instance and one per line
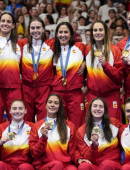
(97, 53)
(125, 53)
(11, 135)
(35, 76)
(64, 81)
(49, 123)
(0, 50)
(96, 129)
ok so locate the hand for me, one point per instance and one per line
(4, 139)
(94, 139)
(83, 160)
(44, 131)
(102, 59)
(81, 69)
(126, 60)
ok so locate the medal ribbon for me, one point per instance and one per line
(6, 43)
(35, 66)
(66, 63)
(20, 129)
(127, 43)
(53, 127)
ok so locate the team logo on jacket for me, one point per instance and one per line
(44, 49)
(82, 106)
(16, 49)
(74, 51)
(28, 132)
(115, 104)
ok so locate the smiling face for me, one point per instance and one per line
(6, 25)
(17, 111)
(98, 32)
(97, 110)
(36, 30)
(128, 20)
(63, 35)
(52, 106)
(127, 111)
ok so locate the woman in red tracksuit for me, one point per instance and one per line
(10, 83)
(124, 44)
(52, 139)
(69, 58)
(104, 70)
(99, 148)
(124, 134)
(37, 69)
(14, 138)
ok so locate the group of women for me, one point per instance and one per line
(57, 66)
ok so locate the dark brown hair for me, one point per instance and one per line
(13, 35)
(18, 100)
(61, 123)
(105, 121)
(57, 48)
(106, 42)
(30, 37)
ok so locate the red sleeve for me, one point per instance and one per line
(115, 72)
(37, 145)
(82, 47)
(50, 42)
(87, 152)
(122, 43)
(87, 49)
(120, 133)
(72, 143)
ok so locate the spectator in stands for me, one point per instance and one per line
(26, 15)
(92, 17)
(13, 6)
(10, 53)
(103, 10)
(2, 6)
(111, 23)
(68, 83)
(34, 13)
(47, 33)
(20, 36)
(50, 9)
(119, 35)
(87, 36)
(52, 140)
(14, 138)
(97, 139)
(121, 11)
(118, 22)
(20, 24)
(49, 25)
(77, 37)
(81, 21)
(125, 138)
(63, 15)
(31, 5)
(105, 67)
(40, 7)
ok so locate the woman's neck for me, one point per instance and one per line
(5, 35)
(99, 44)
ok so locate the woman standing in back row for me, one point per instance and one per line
(69, 61)
(10, 83)
(37, 69)
(104, 69)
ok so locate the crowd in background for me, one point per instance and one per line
(81, 14)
